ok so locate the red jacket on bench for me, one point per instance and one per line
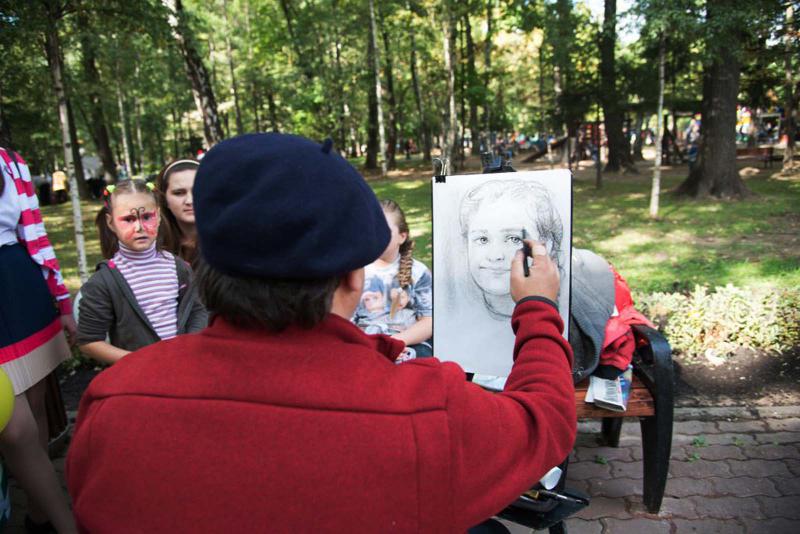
(234, 430)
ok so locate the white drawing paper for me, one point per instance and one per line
(477, 228)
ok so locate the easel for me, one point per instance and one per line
(540, 507)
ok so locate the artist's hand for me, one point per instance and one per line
(70, 328)
(543, 280)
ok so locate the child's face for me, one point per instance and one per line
(397, 239)
(134, 219)
(373, 301)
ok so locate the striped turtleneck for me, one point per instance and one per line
(153, 278)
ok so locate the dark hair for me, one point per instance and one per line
(406, 249)
(255, 302)
(109, 244)
(170, 233)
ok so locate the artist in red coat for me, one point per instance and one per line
(282, 416)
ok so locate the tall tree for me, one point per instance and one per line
(450, 133)
(473, 88)
(376, 84)
(232, 69)
(424, 132)
(619, 151)
(54, 13)
(96, 122)
(655, 190)
(391, 149)
(195, 70)
(715, 173)
(790, 38)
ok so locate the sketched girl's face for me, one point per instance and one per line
(493, 237)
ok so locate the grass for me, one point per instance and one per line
(753, 242)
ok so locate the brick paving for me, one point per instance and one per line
(733, 470)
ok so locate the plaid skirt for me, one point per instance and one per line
(32, 342)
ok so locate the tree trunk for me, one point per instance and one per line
(137, 119)
(789, 98)
(619, 151)
(176, 133)
(391, 148)
(714, 173)
(123, 125)
(637, 145)
(451, 121)
(97, 125)
(472, 81)
(202, 89)
(376, 79)
(487, 74)
(54, 60)
(424, 134)
(341, 141)
(655, 190)
(562, 66)
(234, 87)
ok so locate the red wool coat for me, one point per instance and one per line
(233, 430)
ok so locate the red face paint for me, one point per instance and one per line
(137, 221)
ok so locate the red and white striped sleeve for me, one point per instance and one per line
(31, 231)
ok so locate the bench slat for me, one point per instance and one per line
(640, 402)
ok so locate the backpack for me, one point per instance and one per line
(601, 316)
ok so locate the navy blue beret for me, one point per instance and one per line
(281, 206)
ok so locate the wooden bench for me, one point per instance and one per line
(651, 400)
(764, 154)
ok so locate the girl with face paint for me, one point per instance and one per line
(141, 294)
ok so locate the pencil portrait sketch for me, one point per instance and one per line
(494, 218)
(479, 224)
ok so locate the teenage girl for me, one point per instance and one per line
(174, 188)
(397, 297)
(34, 310)
(141, 294)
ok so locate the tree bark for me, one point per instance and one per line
(619, 151)
(637, 145)
(137, 120)
(123, 125)
(234, 87)
(487, 73)
(472, 80)
(98, 125)
(55, 62)
(451, 121)
(714, 173)
(391, 149)
(424, 134)
(655, 190)
(376, 84)
(789, 97)
(202, 89)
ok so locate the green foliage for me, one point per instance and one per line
(699, 441)
(723, 320)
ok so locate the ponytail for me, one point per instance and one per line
(403, 274)
(109, 244)
(406, 250)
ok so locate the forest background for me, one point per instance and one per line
(134, 83)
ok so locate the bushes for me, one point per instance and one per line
(723, 320)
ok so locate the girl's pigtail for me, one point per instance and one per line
(109, 244)
(403, 274)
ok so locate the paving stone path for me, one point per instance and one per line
(733, 470)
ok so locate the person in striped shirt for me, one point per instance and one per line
(141, 294)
